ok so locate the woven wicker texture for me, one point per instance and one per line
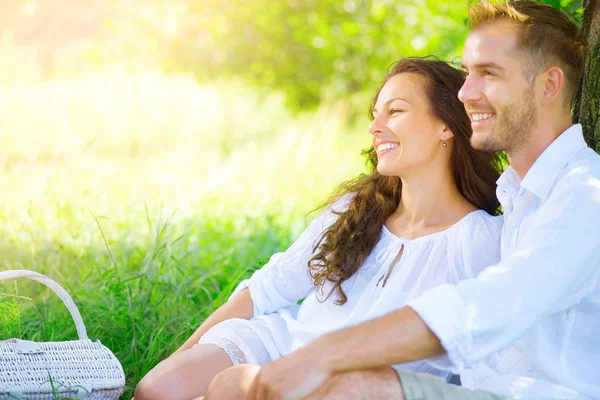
(96, 395)
(27, 367)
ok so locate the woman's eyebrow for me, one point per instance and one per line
(389, 101)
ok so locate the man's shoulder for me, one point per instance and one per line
(583, 170)
(585, 162)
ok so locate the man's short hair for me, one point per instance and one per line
(546, 37)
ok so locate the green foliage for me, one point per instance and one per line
(310, 50)
(553, 3)
(319, 50)
(572, 8)
(313, 50)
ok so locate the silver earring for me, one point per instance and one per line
(444, 143)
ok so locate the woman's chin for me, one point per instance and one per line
(387, 171)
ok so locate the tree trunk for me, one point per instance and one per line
(586, 108)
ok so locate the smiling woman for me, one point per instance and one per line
(417, 110)
(412, 137)
(422, 217)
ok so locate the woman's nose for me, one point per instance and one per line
(376, 126)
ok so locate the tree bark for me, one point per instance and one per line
(586, 108)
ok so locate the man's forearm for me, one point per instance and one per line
(396, 338)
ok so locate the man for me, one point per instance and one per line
(533, 319)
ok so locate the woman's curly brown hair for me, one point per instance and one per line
(346, 244)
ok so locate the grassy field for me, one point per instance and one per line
(148, 197)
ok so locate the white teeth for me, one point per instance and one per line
(386, 146)
(481, 117)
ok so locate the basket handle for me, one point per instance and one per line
(56, 288)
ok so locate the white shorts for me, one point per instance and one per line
(241, 340)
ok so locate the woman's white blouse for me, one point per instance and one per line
(449, 256)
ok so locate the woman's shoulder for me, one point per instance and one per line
(477, 246)
(480, 228)
(483, 219)
(329, 213)
(342, 203)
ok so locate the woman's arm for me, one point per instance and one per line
(239, 306)
(280, 283)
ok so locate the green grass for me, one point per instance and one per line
(148, 198)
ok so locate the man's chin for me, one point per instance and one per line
(484, 143)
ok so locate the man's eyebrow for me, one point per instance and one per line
(389, 101)
(483, 65)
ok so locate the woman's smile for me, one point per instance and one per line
(384, 148)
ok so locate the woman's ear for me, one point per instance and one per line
(446, 133)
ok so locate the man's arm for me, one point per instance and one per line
(553, 269)
(399, 337)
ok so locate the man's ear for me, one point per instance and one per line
(553, 84)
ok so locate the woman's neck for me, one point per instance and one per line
(431, 198)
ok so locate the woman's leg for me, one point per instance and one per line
(184, 375)
(233, 383)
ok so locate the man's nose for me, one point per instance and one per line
(470, 91)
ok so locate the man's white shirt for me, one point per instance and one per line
(529, 326)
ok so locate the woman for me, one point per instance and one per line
(423, 217)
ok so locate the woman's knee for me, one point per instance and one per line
(151, 387)
(234, 383)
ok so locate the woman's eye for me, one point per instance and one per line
(487, 72)
(395, 110)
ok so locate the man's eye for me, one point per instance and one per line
(487, 72)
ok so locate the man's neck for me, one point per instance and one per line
(523, 157)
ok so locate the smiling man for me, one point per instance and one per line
(528, 326)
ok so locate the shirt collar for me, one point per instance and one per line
(508, 186)
(544, 171)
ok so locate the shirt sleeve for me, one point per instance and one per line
(285, 279)
(479, 316)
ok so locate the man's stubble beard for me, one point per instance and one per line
(513, 127)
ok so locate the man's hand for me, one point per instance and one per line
(370, 345)
(293, 377)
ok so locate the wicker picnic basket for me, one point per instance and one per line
(80, 369)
